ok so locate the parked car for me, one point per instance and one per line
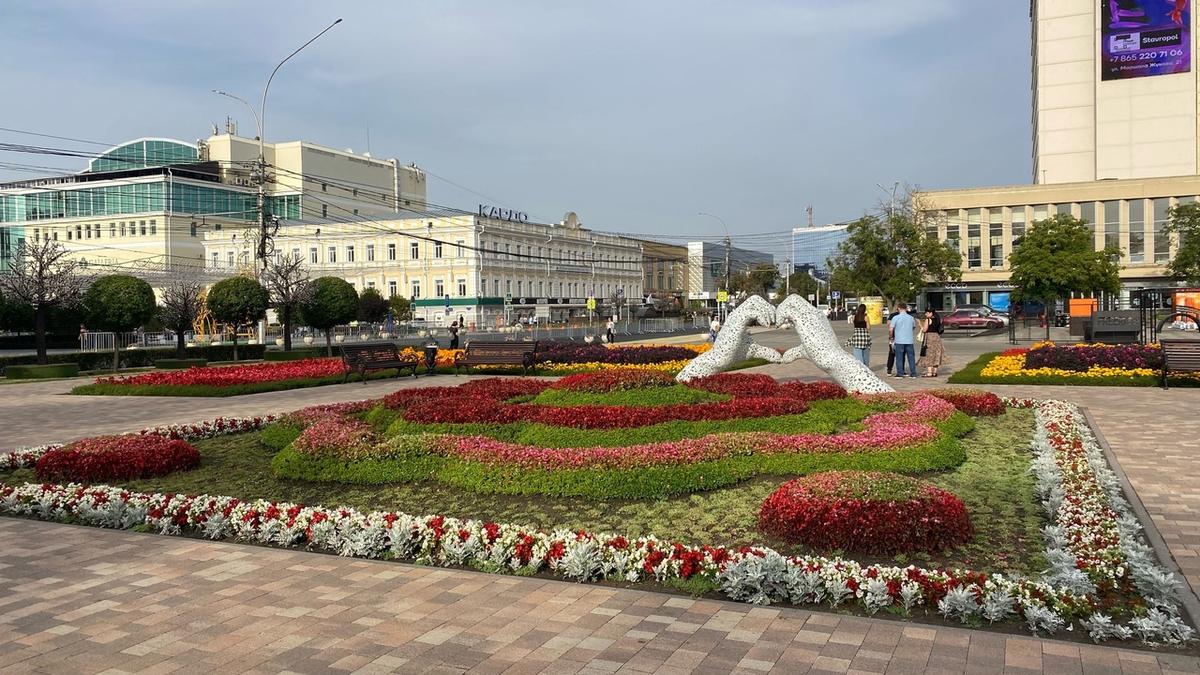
(986, 310)
(971, 318)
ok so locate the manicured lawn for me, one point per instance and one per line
(993, 482)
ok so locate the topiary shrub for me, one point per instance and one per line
(116, 458)
(865, 512)
(180, 364)
(42, 372)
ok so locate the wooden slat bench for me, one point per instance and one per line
(480, 353)
(374, 356)
(1179, 356)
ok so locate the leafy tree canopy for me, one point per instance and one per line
(118, 303)
(237, 300)
(371, 306)
(1184, 221)
(891, 256)
(1058, 256)
(334, 302)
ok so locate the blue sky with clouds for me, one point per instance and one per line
(636, 115)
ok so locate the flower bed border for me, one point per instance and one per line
(751, 574)
(972, 374)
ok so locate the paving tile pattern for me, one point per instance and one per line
(85, 600)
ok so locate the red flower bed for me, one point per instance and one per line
(1085, 357)
(865, 511)
(614, 380)
(336, 436)
(116, 458)
(973, 402)
(224, 376)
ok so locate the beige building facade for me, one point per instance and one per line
(482, 270)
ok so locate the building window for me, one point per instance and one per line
(414, 250)
(1018, 226)
(462, 288)
(1162, 243)
(1087, 212)
(122, 227)
(88, 230)
(193, 230)
(324, 210)
(508, 286)
(229, 258)
(324, 187)
(996, 238)
(439, 288)
(332, 255)
(507, 251)
(458, 248)
(112, 231)
(349, 254)
(312, 255)
(370, 252)
(520, 288)
(416, 289)
(142, 227)
(974, 239)
(215, 260)
(1137, 231)
(541, 289)
(356, 212)
(295, 254)
(354, 192)
(1112, 226)
(391, 289)
(437, 251)
(495, 288)
(153, 227)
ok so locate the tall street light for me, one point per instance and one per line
(261, 173)
(257, 121)
(892, 192)
(728, 245)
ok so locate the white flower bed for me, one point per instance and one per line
(1093, 544)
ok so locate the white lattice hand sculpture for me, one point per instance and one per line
(819, 343)
(733, 342)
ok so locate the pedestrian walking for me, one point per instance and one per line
(454, 335)
(933, 351)
(713, 328)
(902, 328)
(860, 340)
(608, 330)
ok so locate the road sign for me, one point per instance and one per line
(508, 298)
(722, 296)
(835, 294)
(591, 303)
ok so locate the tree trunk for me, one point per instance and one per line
(180, 344)
(39, 334)
(235, 329)
(287, 328)
(328, 344)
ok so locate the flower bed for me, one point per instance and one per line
(1047, 363)
(868, 512)
(1103, 579)
(972, 402)
(116, 458)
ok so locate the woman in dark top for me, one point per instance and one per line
(933, 352)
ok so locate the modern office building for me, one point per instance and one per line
(707, 271)
(813, 246)
(1116, 123)
(487, 268)
(142, 206)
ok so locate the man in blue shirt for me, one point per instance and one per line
(902, 329)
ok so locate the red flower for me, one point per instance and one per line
(116, 458)
(224, 376)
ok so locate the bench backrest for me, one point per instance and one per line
(1181, 354)
(500, 350)
(369, 353)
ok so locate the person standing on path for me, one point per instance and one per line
(933, 351)
(902, 329)
(713, 328)
(860, 341)
(608, 330)
(454, 335)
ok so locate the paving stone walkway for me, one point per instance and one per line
(87, 600)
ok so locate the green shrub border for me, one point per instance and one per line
(634, 483)
(54, 370)
(972, 374)
(294, 355)
(136, 358)
(179, 364)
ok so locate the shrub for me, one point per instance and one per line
(867, 512)
(125, 457)
(294, 355)
(179, 364)
(973, 402)
(42, 372)
(568, 352)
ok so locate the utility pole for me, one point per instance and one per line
(787, 283)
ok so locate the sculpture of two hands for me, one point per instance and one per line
(817, 343)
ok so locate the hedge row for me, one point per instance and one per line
(42, 372)
(137, 358)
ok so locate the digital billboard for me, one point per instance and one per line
(1140, 38)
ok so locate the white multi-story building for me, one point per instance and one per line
(482, 269)
(707, 271)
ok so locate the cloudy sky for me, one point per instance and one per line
(637, 115)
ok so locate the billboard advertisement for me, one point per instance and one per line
(1000, 300)
(1141, 38)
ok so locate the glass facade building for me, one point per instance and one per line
(143, 153)
(813, 246)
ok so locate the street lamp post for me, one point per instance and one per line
(260, 170)
(892, 192)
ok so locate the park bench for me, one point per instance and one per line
(496, 354)
(1179, 356)
(377, 356)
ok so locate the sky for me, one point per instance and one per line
(635, 115)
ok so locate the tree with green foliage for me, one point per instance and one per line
(15, 316)
(401, 307)
(238, 301)
(372, 308)
(44, 278)
(1058, 257)
(762, 278)
(118, 303)
(890, 255)
(181, 304)
(1184, 222)
(334, 302)
(803, 284)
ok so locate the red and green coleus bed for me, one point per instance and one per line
(461, 436)
(1102, 579)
